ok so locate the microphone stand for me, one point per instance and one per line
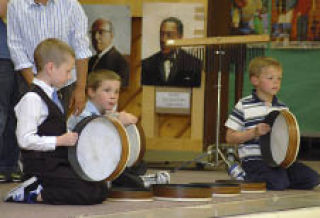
(217, 150)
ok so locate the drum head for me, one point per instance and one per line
(99, 149)
(279, 139)
(134, 144)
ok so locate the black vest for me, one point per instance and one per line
(39, 162)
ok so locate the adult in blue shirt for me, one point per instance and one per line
(9, 150)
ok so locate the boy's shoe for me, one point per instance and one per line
(16, 176)
(162, 177)
(3, 177)
(25, 192)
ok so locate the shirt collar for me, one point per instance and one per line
(106, 50)
(255, 96)
(44, 86)
(90, 107)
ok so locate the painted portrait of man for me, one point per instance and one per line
(110, 34)
(168, 66)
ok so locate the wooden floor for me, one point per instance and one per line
(291, 203)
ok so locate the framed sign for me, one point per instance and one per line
(173, 100)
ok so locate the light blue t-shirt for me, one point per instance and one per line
(88, 111)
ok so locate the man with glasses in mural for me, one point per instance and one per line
(107, 57)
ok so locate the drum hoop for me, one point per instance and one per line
(182, 191)
(221, 188)
(182, 199)
(125, 150)
(247, 185)
(72, 151)
(294, 139)
(142, 142)
(130, 194)
(139, 144)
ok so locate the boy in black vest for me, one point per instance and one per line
(43, 136)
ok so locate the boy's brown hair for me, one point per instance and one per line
(51, 50)
(95, 78)
(258, 64)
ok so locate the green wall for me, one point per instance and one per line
(300, 85)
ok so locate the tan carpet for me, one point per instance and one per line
(15, 210)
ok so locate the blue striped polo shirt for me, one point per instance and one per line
(248, 112)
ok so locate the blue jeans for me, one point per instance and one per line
(9, 150)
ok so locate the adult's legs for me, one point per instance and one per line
(9, 150)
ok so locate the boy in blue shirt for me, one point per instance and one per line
(103, 88)
(9, 150)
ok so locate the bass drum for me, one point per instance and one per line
(102, 150)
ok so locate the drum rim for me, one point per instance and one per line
(222, 188)
(130, 145)
(293, 151)
(125, 149)
(130, 193)
(181, 191)
(142, 142)
(247, 185)
(72, 151)
(218, 185)
(294, 140)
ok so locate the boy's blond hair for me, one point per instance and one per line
(51, 50)
(258, 64)
(95, 78)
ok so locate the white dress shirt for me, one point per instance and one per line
(29, 23)
(31, 111)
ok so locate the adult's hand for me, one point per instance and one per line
(28, 75)
(78, 100)
(78, 97)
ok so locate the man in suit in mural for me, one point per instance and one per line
(171, 66)
(107, 57)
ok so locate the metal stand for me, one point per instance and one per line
(219, 52)
(217, 150)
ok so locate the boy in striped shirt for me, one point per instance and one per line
(246, 124)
